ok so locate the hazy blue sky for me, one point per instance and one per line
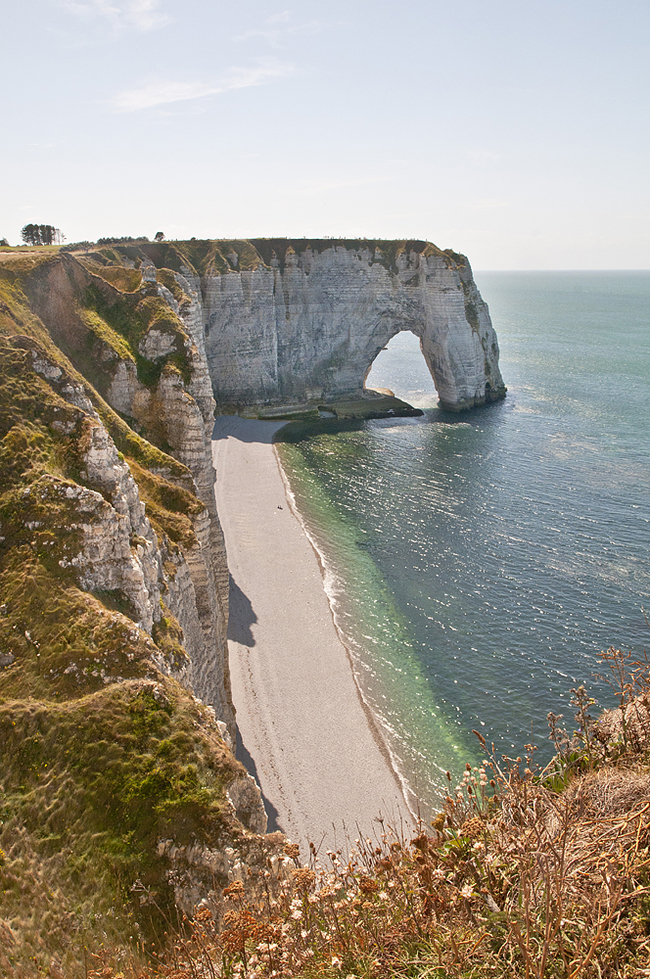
(515, 131)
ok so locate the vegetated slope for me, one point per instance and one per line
(222, 255)
(523, 874)
(118, 794)
(105, 594)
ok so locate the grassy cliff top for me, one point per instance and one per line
(220, 256)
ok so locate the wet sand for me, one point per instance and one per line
(305, 731)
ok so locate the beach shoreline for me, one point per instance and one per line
(306, 731)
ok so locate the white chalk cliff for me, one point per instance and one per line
(306, 322)
(114, 361)
(164, 330)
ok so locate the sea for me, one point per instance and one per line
(477, 564)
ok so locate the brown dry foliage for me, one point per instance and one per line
(525, 873)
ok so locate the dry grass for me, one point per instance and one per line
(525, 873)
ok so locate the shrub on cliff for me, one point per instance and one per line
(125, 240)
(524, 873)
(77, 246)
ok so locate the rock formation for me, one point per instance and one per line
(160, 330)
(112, 618)
(114, 680)
(306, 322)
(173, 405)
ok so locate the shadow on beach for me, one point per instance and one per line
(241, 616)
(243, 755)
(245, 429)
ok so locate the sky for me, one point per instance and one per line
(514, 131)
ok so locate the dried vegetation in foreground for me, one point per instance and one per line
(524, 873)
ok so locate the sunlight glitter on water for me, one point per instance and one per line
(479, 564)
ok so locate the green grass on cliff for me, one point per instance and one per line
(102, 323)
(101, 754)
(15, 313)
(35, 422)
(36, 426)
(125, 279)
(168, 506)
(88, 788)
(98, 329)
(384, 251)
(100, 757)
(167, 279)
(220, 256)
(130, 316)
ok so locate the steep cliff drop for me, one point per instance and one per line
(117, 781)
(169, 333)
(298, 322)
(113, 570)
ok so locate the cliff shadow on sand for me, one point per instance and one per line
(241, 617)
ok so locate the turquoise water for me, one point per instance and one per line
(478, 564)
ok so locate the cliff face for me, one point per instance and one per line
(116, 783)
(307, 323)
(156, 331)
(148, 367)
(113, 573)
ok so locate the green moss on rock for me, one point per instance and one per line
(92, 784)
(102, 755)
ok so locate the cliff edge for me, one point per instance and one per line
(294, 323)
(120, 798)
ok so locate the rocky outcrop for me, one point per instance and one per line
(112, 547)
(307, 324)
(200, 873)
(112, 563)
(177, 411)
(160, 331)
(110, 541)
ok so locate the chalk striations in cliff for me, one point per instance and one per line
(282, 322)
(307, 321)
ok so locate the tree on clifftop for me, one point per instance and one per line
(159, 236)
(41, 234)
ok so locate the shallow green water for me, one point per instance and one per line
(477, 564)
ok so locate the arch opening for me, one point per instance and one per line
(400, 368)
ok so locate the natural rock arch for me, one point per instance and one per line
(306, 326)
